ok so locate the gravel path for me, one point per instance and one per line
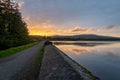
(18, 66)
(54, 67)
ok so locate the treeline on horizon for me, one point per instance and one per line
(51, 38)
(13, 30)
(80, 39)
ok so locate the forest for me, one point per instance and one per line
(13, 29)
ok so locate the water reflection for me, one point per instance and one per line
(88, 44)
(101, 58)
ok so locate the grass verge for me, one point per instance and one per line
(38, 61)
(14, 50)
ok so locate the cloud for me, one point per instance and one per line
(79, 29)
(42, 25)
(110, 27)
(27, 18)
(20, 3)
(50, 29)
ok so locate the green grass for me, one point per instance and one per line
(38, 61)
(14, 50)
(39, 56)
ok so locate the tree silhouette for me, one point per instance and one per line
(13, 30)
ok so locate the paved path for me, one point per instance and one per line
(54, 67)
(17, 67)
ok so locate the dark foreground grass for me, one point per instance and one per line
(14, 50)
(38, 61)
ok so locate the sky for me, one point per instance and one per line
(71, 17)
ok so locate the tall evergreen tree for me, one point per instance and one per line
(13, 30)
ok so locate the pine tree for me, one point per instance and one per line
(13, 30)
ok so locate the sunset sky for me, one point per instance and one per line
(71, 17)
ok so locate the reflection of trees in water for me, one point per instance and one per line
(81, 44)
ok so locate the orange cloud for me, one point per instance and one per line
(79, 29)
(77, 51)
(45, 28)
(50, 29)
(40, 32)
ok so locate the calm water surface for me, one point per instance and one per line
(101, 58)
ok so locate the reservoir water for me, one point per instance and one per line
(102, 58)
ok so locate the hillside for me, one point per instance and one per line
(84, 37)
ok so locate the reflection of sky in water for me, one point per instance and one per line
(101, 60)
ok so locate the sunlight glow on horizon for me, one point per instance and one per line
(44, 31)
(40, 32)
(48, 30)
(49, 17)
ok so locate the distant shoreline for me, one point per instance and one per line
(84, 40)
(83, 37)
